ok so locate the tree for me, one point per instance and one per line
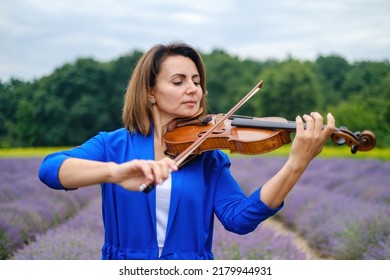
(332, 71)
(10, 96)
(228, 80)
(82, 98)
(365, 78)
(290, 89)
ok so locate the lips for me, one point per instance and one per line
(190, 102)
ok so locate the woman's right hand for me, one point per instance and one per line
(132, 174)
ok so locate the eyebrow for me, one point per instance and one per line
(183, 75)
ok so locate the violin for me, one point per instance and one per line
(251, 136)
(242, 134)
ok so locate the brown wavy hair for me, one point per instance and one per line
(137, 111)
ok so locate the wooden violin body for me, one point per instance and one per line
(251, 136)
(242, 140)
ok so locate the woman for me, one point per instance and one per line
(174, 220)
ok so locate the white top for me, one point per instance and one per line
(163, 199)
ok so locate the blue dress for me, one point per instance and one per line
(202, 188)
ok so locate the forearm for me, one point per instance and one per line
(76, 173)
(277, 188)
(307, 144)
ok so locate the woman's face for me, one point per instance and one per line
(178, 92)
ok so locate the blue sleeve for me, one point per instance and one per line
(93, 149)
(237, 212)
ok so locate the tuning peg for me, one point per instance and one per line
(354, 149)
(340, 141)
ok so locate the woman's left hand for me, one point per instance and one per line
(310, 140)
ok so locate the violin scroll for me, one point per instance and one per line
(358, 141)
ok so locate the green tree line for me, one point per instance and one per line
(79, 99)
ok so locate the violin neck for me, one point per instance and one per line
(256, 123)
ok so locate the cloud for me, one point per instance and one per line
(38, 35)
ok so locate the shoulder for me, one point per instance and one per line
(106, 138)
(120, 145)
(209, 162)
(117, 137)
(115, 134)
(215, 159)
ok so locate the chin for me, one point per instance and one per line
(192, 112)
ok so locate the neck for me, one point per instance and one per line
(160, 128)
(159, 123)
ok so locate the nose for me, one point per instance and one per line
(192, 88)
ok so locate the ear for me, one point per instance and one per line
(152, 100)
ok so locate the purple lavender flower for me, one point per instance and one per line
(340, 206)
(27, 207)
(263, 243)
(79, 238)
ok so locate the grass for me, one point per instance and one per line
(29, 152)
(328, 152)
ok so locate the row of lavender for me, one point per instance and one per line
(28, 208)
(81, 238)
(40, 223)
(340, 206)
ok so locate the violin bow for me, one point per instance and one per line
(184, 155)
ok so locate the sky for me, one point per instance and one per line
(38, 36)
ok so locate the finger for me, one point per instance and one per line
(309, 122)
(299, 125)
(318, 122)
(147, 169)
(330, 124)
(157, 171)
(161, 170)
(170, 163)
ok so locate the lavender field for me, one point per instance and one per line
(339, 210)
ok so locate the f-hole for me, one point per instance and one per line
(214, 132)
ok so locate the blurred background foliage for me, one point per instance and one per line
(79, 99)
